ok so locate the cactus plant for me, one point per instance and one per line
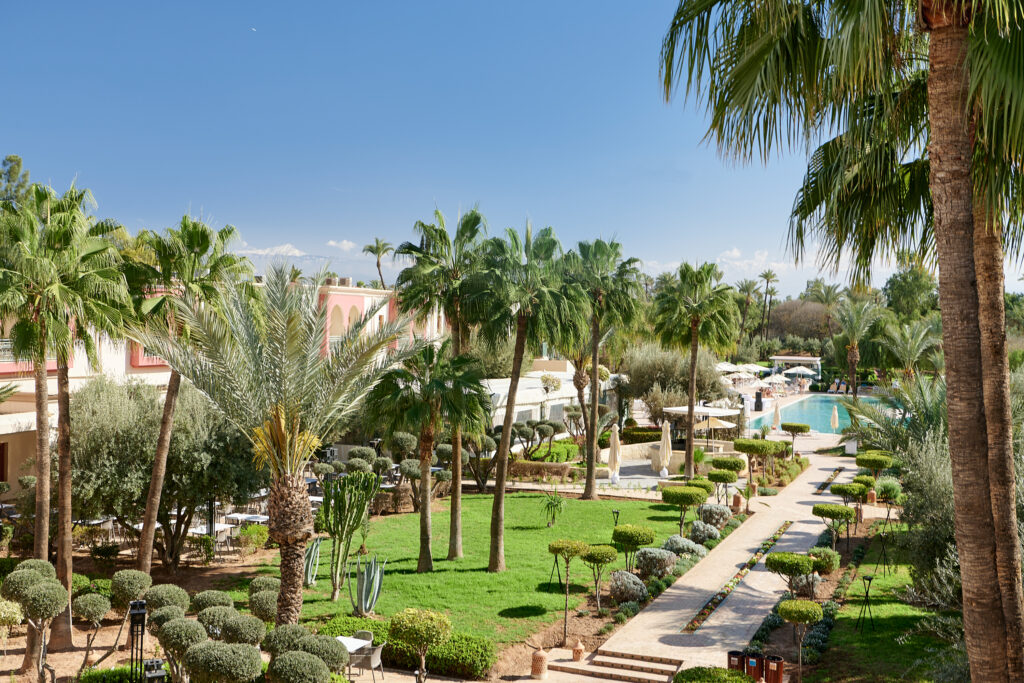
(369, 579)
(311, 565)
(345, 505)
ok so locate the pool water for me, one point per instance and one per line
(815, 410)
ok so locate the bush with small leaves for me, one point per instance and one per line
(702, 533)
(245, 629)
(420, 629)
(130, 584)
(655, 562)
(201, 601)
(876, 461)
(284, 638)
(715, 515)
(263, 605)
(45, 600)
(826, 560)
(339, 466)
(214, 618)
(252, 537)
(865, 480)
(684, 546)
(727, 463)
(789, 565)
(358, 465)
(801, 613)
(214, 662)
(382, 465)
(711, 674)
(597, 558)
(722, 476)
(322, 469)
(849, 492)
(888, 489)
(626, 587)
(11, 615)
(298, 667)
(409, 469)
(159, 617)
(685, 497)
(264, 583)
(630, 538)
(362, 453)
(165, 594)
(17, 584)
(834, 516)
(91, 607)
(41, 566)
(806, 585)
(403, 444)
(630, 608)
(328, 649)
(702, 483)
(178, 635)
(443, 451)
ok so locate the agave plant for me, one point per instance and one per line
(368, 583)
(311, 563)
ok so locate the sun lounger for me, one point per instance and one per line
(832, 389)
(842, 388)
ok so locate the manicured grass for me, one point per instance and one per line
(875, 655)
(509, 606)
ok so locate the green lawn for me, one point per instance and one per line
(508, 606)
(875, 655)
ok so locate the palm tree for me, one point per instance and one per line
(191, 261)
(909, 344)
(380, 249)
(695, 310)
(769, 278)
(520, 284)
(430, 388)
(811, 75)
(612, 288)
(829, 296)
(771, 293)
(260, 357)
(442, 267)
(855, 318)
(748, 289)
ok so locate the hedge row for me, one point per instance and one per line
(462, 656)
(631, 435)
(560, 451)
(121, 674)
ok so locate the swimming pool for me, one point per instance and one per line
(815, 410)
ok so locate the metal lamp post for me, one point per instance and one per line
(136, 637)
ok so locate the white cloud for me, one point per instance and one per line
(344, 245)
(287, 249)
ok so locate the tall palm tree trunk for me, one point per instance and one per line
(291, 526)
(455, 518)
(950, 152)
(988, 262)
(768, 320)
(743, 320)
(381, 274)
(590, 488)
(852, 359)
(496, 561)
(61, 636)
(764, 309)
(144, 561)
(41, 544)
(691, 400)
(426, 561)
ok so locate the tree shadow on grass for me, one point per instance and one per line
(559, 588)
(526, 527)
(664, 518)
(663, 507)
(523, 612)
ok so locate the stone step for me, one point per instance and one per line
(644, 665)
(587, 669)
(657, 659)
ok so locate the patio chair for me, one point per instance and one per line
(367, 658)
(832, 389)
(363, 635)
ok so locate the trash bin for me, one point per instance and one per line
(735, 660)
(758, 402)
(753, 666)
(774, 668)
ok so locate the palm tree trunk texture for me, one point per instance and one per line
(41, 544)
(381, 274)
(743, 320)
(950, 152)
(768, 320)
(291, 526)
(455, 518)
(691, 400)
(60, 631)
(496, 561)
(852, 359)
(144, 561)
(764, 308)
(426, 562)
(580, 380)
(590, 488)
(988, 263)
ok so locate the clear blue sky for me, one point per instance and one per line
(305, 124)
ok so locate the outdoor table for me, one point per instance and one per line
(201, 531)
(436, 469)
(262, 493)
(352, 644)
(257, 519)
(316, 499)
(387, 487)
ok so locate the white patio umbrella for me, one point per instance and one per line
(775, 379)
(759, 384)
(726, 366)
(664, 450)
(799, 370)
(613, 454)
(777, 417)
(754, 368)
(740, 375)
(710, 425)
(834, 422)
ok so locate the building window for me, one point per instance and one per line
(556, 412)
(524, 415)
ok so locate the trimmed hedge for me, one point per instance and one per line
(865, 480)
(800, 611)
(243, 628)
(794, 428)
(298, 667)
(214, 662)
(330, 651)
(711, 674)
(263, 605)
(722, 476)
(874, 460)
(90, 607)
(159, 617)
(759, 447)
(632, 535)
(130, 584)
(284, 638)
(702, 483)
(41, 566)
(264, 583)
(849, 491)
(166, 594)
(631, 435)
(17, 584)
(726, 463)
(682, 496)
(178, 635)
(45, 600)
(201, 601)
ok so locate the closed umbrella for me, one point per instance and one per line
(664, 450)
(834, 423)
(613, 454)
(777, 417)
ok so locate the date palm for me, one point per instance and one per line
(769, 278)
(442, 267)
(191, 261)
(695, 310)
(260, 357)
(771, 293)
(429, 389)
(829, 296)
(855, 318)
(909, 344)
(379, 249)
(748, 289)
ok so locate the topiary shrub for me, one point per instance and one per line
(214, 618)
(128, 585)
(684, 497)
(626, 587)
(702, 483)
(630, 538)
(201, 601)
(283, 639)
(420, 630)
(715, 515)
(17, 584)
(597, 558)
(41, 566)
(794, 428)
(176, 637)
(382, 465)
(165, 594)
(264, 583)
(711, 674)
(865, 480)
(722, 479)
(566, 550)
(214, 662)
(800, 613)
(358, 465)
(91, 608)
(888, 489)
(728, 463)
(159, 617)
(339, 466)
(684, 546)
(702, 533)
(826, 560)
(876, 461)
(789, 566)
(44, 601)
(835, 517)
(263, 605)
(245, 629)
(362, 453)
(322, 469)
(298, 667)
(329, 650)
(849, 492)
(656, 562)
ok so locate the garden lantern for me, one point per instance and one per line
(136, 636)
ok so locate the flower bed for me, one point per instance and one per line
(823, 486)
(711, 605)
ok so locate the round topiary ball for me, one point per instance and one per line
(41, 566)
(420, 629)
(702, 483)
(328, 649)
(362, 453)
(874, 460)
(727, 463)
(245, 629)
(263, 605)
(789, 564)
(683, 496)
(338, 466)
(159, 617)
(128, 585)
(17, 584)
(178, 635)
(322, 469)
(201, 601)
(91, 607)
(600, 555)
(358, 465)
(298, 667)
(410, 468)
(284, 638)
(213, 662)
(849, 491)
(722, 476)
(264, 583)
(865, 480)
(382, 465)
(633, 536)
(800, 611)
(214, 618)
(166, 594)
(45, 600)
